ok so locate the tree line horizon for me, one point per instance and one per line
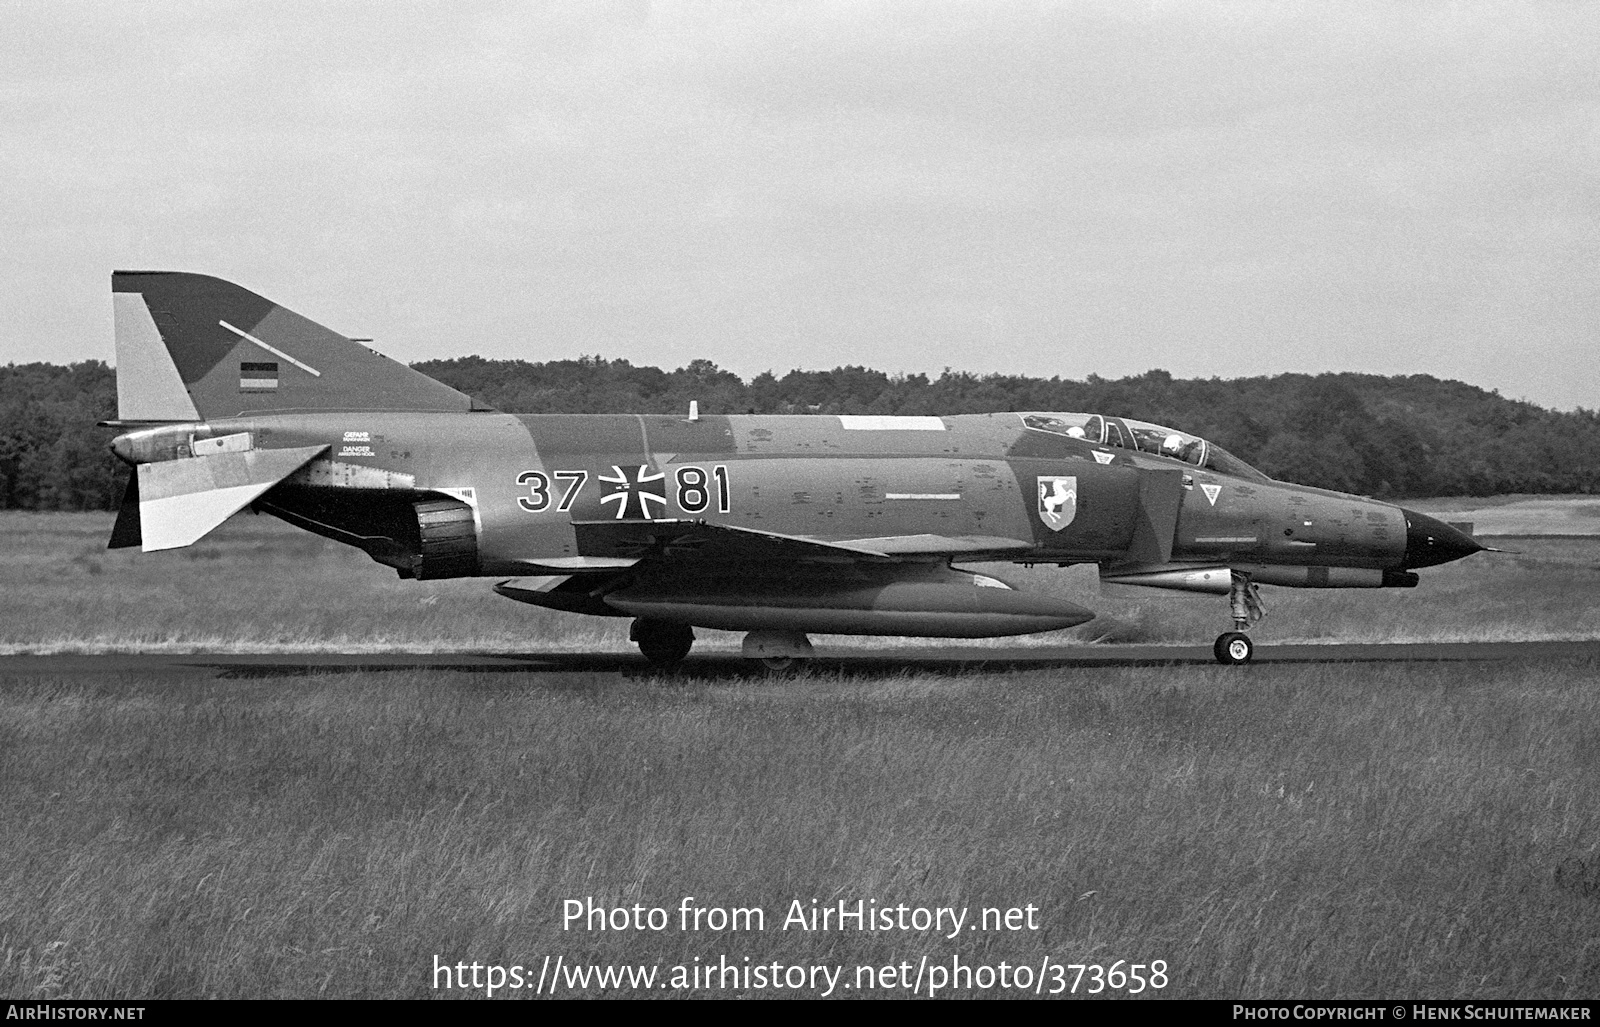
(1390, 437)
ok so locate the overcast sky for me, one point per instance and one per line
(1223, 189)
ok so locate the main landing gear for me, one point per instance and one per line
(780, 652)
(1234, 648)
(663, 643)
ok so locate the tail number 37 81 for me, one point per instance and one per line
(696, 489)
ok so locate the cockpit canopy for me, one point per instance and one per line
(1144, 437)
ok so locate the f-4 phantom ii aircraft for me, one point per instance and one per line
(777, 526)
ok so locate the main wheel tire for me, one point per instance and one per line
(663, 644)
(778, 665)
(1234, 648)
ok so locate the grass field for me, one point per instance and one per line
(1521, 515)
(1332, 830)
(258, 585)
(1316, 830)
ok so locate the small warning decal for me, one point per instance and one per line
(1101, 457)
(1212, 491)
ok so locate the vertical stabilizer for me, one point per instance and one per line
(192, 347)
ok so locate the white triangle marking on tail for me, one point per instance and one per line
(148, 385)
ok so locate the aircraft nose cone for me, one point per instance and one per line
(1430, 542)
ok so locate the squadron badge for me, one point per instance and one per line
(1058, 500)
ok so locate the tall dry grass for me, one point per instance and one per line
(1293, 830)
(258, 585)
(255, 584)
(1546, 589)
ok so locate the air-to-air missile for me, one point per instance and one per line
(777, 526)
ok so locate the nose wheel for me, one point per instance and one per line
(1234, 648)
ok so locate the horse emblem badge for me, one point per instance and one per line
(1058, 500)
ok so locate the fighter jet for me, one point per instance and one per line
(776, 526)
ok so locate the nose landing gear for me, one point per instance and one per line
(1234, 648)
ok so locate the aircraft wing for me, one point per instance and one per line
(698, 540)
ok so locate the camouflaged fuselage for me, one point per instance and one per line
(999, 489)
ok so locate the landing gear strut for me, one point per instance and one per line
(1244, 601)
(663, 643)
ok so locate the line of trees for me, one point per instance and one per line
(1390, 437)
(52, 457)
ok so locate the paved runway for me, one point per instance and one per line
(931, 657)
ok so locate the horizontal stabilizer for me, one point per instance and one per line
(181, 500)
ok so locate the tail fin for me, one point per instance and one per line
(193, 347)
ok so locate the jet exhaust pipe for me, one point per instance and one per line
(447, 540)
